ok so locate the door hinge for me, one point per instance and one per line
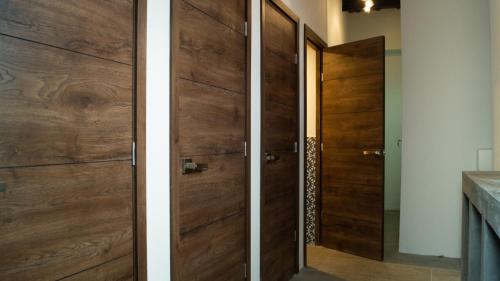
(295, 235)
(322, 77)
(296, 58)
(295, 147)
(133, 153)
(245, 270)
(246, 28)
(321, 146)
(245, 148)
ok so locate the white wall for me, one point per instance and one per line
(312, 86)
(446, 116)
(359, 26)
(157, 140)
(255, 143)
(335, 23)
(495, 74)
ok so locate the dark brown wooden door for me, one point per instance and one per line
(279, 144)
(209, 98)
(66, 112)
(352, 160)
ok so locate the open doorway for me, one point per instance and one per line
(381, 151)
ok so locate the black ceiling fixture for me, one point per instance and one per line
(356, 6)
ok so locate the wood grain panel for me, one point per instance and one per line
(229, 12)
(214, 252)
(349, 236)
(99, 28)
(353, 130)
(280, 78)
(216, 193)
(61, 107)
(279, 134)
(211, 120)
(279, 177)
(58, 220)
(354, 59)
(354, 201)
(280, 34)
(352, 122)
(120, 269)
(343, 167)
(208, 51)
(280, 125)
(209, 105)
(355, 94)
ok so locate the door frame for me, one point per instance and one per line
(139, 135)
(248, 214)
(312, 37)
(292, 16)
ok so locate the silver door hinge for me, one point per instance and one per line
(245, 147)
(245, 270)
(296, 58)
(246, 28)
(133, 153)
(295, 147)
(322, 77)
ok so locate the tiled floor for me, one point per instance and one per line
(397, 267)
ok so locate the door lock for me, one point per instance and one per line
(189, 167)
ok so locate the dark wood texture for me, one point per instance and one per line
(67, 83)
(204, 57)
(58, 220)
(61, 107)
(99, 28)
(279, 182)
(313, 39)
(358, 5)
(115, 270)
(209, 116)
(352, 120)
(140, 138)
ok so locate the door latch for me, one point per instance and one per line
(189, 167)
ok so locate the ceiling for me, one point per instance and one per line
(355, 6)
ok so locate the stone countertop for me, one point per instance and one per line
(483, 190)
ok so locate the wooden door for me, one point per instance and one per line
(352, 131)
(209, 98)
(66, 114)
(279, 143)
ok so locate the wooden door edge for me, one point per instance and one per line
(140, 225)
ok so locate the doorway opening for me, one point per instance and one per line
(352, 219)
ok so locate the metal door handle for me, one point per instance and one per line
(189, 167)
(376, 152)
(271, 157)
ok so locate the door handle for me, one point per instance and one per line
(271, 157)
(376, 152)
(189, 167)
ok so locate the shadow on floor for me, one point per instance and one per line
(310, 274)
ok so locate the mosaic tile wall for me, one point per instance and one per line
(311, 183)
